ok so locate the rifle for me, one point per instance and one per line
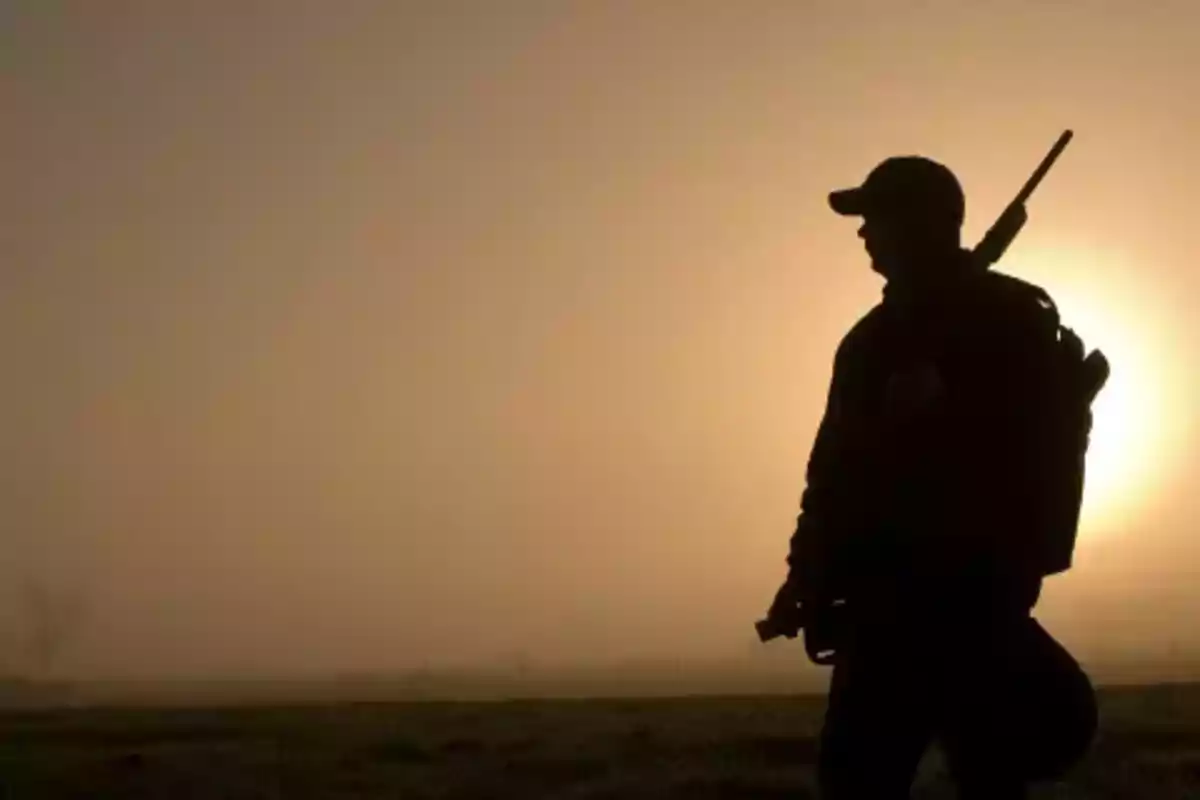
(990, 249)
(1005, 229)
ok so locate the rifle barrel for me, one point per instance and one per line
(1044, 167)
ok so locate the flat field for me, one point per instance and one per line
(696, 748)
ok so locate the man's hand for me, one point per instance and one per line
(787, 601)
(785, 617)
(789, 615)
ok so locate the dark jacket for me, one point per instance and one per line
(924, 472)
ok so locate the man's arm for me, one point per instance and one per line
(823, 502)
(810, 592)
(811, 586)
(809, 544)
(805, 590)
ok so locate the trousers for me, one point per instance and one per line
(1005, 702)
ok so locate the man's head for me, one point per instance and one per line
(912, 210)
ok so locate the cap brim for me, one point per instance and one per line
(848, 202)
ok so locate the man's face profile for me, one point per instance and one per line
(902, 245)
(883, 240)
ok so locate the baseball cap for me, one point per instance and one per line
(905, 186)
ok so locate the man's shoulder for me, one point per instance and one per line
(1004, 288)
(1009, 305)
(867, 328)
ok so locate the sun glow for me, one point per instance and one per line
(1131, 447)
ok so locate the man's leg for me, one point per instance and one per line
(989, 789)
(976, 732)
(977, 746)
(977, 771)
(877, 727)
(1021, 710)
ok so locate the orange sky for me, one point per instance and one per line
(362, 335)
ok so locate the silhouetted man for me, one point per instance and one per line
(918, 554)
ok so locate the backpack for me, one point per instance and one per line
(1064, 425)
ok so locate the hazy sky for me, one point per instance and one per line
(373, 334)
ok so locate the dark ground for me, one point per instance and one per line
(1149, 747)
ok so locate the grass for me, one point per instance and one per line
(746, 747)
